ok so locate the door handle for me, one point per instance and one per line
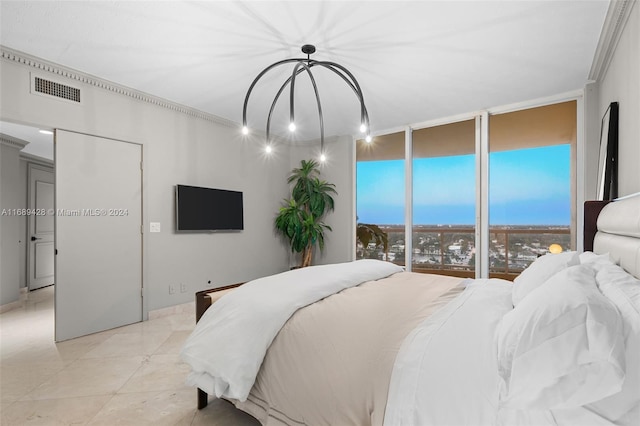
(35, 238)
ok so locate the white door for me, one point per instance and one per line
(98, 234)
(40, 227)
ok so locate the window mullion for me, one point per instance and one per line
(482, 195)
(408, 184)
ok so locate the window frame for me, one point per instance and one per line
(481, 118)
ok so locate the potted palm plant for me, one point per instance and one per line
(367, 233)
(299, 219)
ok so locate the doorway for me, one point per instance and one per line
(87, 167)
(40, 235)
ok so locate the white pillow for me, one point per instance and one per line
(540, 271)
(562, 346)
(614, 276)
(595, 259)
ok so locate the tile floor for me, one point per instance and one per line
(126, 376)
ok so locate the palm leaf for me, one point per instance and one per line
(299, 218)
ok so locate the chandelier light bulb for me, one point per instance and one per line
(323, 158)
(368, 139)
(245, 130)
(268, 149)
(292, 127)
(363, 128)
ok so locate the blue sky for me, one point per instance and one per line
(527, 187)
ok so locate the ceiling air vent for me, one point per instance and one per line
(46, 87)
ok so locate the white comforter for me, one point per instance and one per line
(446, 370)
(244, 327)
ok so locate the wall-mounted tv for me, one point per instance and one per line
(208, 209)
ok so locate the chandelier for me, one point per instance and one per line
(305, 65)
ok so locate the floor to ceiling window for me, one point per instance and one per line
(444, 200)
(531, 192)
(530, 184)
(380, 198)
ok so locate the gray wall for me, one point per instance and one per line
(620, 83)
(178, 148)
(338, 169)
(9, 224)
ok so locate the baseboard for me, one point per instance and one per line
(24, 294)
(13, 305)
(183, 308)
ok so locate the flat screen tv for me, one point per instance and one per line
(208, 209)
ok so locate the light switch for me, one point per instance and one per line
(154, 227)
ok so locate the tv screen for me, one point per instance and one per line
(208, 209)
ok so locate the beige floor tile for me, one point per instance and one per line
(22, 333)
(86, 377)
(3, 406)
(51, 412)
(33, 354)
(174, 343)
(148, 408)
(127, 343)
(40, 320)
(182, 321)
(158, 372)
(73, 349)
(49, 352)
(130, 375)
(18, 380)
(43, 295)
(176, 322)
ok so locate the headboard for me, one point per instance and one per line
(614, 228)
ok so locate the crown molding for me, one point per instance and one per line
(614, 23)
(36, 159)
(91, 80)
(12, 142)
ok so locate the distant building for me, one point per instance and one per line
(455, 249)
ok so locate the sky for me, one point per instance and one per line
(526, 187)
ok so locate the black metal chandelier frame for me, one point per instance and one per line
(305, 65)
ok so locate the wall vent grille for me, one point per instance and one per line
(58, 90)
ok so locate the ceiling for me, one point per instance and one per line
(415, 60)
(39, 144)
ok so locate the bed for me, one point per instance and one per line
(366, 343)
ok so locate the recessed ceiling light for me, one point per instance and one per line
(45, 132)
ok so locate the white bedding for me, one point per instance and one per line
(453, 367)
(449, 370)
(446, 370)
(229, 343)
